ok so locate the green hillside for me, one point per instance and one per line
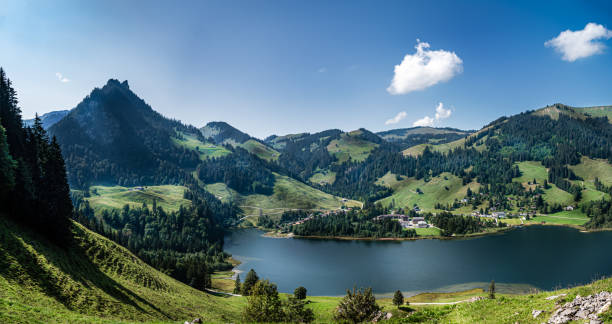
(599, 111)
(442, 189)
(94, 281)
(168, 197)
(351, 145)
(261, 150)
(288, 194)
(323, 177)
(205, 150)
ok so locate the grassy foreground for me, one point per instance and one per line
(94, 281)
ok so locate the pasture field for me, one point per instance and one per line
(323, 177)
(589, 169)
(288, 194)
(262, 151)
(531, 170)
(168, 197)
(205, 150)
(350, 145)
(443, 189)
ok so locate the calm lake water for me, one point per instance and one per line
(543, 257)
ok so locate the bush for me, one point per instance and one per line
(265, 305)
(300, 293)
(357, 306)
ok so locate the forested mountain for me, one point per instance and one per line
(49, 119)
(113, 136)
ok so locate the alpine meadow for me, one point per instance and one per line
(305, 162)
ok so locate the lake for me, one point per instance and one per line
(542, 257)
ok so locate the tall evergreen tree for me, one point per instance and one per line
(7, 169)
(398, 299)
(249, 282)
(492, 289)
(237, 285)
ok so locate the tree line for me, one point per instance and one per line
(34, 188)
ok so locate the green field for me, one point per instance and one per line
(168, 197)
(574, 217)
(599, 111)
(350, 145)
(442, 189)
(554, 195)
(288, 194)
(206, 150)
(431, 231)
(261, 150)
(589, 169)
(531, 170)
(323, 177)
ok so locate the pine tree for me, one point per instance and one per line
(398, 299)
(250, 281)
(7, 169)
(492, 289)
(237, 285)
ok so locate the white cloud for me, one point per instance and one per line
(401, 115)
(322, 70)
(424, 69)
(425, 121)
(441, 113)
(581, 43)
(61, 78)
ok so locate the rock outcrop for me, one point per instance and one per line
(582, 308)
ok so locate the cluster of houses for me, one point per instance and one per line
(499, 214)
(406, 221)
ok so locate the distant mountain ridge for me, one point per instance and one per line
(48, 119)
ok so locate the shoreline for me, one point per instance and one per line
(273, 234)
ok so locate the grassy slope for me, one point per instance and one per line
(206, 150)
(434, 191)
(168, 197)
(95, 281)
(261, 150)
(323, 176)
(349, 145)
(600, 111)
(589, 169)
(288, 194)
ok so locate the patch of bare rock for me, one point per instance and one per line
(580, 309)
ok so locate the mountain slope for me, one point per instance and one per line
(93, 281)
(222, 133)
(49, 119)
(114, 137)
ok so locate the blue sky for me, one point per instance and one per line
(277, 67)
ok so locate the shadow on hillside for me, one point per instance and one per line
(74, 262)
